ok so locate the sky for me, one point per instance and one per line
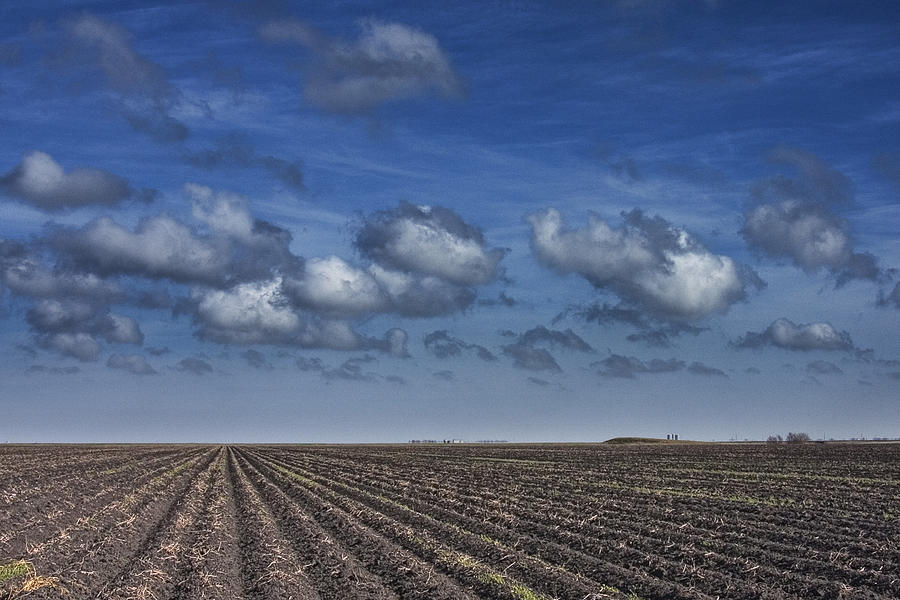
(380, 221)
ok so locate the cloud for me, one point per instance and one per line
(783, 333)
(232, 150)
(23, 274)
(617, 365)
(796, 219)
(248, 313)
(160, 247)
(698, 368)
(52, 317)
(424, 263)
(256, 359)
(431, 241)
(76, 345)
(196, 366)
(393, 343)
(261, 313)
(649, 263)
(125, 70)
(41, 181)
(145, 94)
(532, 359)
(350, 370)
(651, 331)
(388, 62)
(527, 355)
(133, 363)
(565, 339)
(333, 286)
(823, 367)
(443, 345)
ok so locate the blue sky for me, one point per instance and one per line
(378, 221)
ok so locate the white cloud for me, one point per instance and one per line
(432, 241)
(649, 262)
(332, 286)
(161, 247)
(248, 313)
(223, 212)
(783, 333)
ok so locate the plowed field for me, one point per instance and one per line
(527, 522)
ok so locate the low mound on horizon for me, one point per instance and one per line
(640, 440)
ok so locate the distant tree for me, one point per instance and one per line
(774, 439)
(797, 438)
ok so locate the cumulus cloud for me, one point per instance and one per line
(783, 333)
(443, 345)
(50, 318)
(333, 286)
(133, 363)
(431, 241)
(76, 345)
(388, 62)
(261, 313)
(195, 366)
(161, 247)
(649, 263)
(23, 274)
(424, 263)
(249, 313)
(796, 218)
(617, 365)
(42, 182)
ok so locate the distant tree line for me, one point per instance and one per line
(792, 438)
